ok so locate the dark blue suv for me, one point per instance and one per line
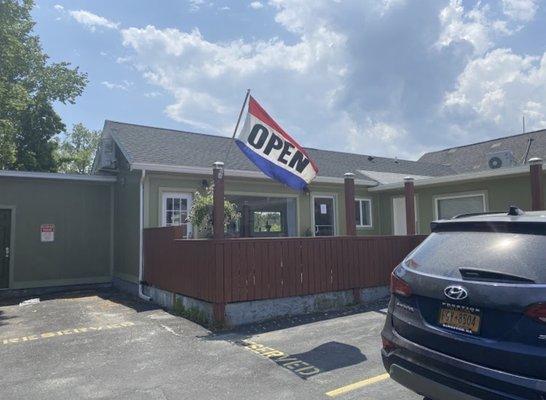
(467, 315)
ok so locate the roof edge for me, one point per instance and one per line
(182, 169)
(470, 176)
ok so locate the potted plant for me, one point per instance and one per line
(201, 213)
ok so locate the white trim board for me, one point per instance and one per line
(471, 176)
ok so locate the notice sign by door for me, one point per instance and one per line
(47, 232)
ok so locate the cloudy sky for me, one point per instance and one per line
(383, 77)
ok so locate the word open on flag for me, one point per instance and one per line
(273, 150)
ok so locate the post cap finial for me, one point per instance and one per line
(349, 175)
(536, 161)
(218, 165)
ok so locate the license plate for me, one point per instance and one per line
(461, 318)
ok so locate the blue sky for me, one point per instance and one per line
(382, 77)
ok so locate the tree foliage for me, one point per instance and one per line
(29, 85)
(76, 151)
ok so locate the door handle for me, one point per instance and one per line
(7, 252)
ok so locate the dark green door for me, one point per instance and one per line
(5, 229)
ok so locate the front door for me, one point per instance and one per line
(5, 229)
(324, 216)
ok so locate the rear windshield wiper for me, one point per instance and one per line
(492, 276)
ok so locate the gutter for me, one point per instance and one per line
(471, 176)
(57, 176)
(141, 240)
(236, 173)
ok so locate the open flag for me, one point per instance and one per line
(273, 150)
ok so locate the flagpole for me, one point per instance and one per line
(237, 125)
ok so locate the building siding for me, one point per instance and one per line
(501, 192)
(158, 183)
(82, 215)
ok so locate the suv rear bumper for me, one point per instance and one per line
(439, 376)
(425, 386)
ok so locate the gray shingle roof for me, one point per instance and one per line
(144, 144)
(473, 157)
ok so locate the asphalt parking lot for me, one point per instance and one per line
(108, 345)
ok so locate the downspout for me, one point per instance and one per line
(141, 241)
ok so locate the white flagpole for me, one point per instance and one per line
(237, 125)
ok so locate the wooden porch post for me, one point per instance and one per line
(350, 218)
(409, 192)
(537, 189)
(218, 200)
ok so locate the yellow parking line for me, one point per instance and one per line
(357, 385)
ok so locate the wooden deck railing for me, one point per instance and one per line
(232, 270)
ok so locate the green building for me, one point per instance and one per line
(67, 229)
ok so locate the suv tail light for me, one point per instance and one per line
(399, 286)
(537, 312)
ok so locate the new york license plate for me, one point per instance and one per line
(461, 318)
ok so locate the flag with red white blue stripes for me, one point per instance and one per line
(273, 150)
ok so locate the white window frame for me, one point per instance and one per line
(452, 196)
(334, 202)
(175, 195)
(369, 201)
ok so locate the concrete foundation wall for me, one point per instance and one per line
(247, 312)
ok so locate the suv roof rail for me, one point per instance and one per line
(512, 210)
(475, 214)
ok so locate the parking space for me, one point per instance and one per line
(102, 345)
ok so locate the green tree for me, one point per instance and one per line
(77, 150)
(29, 85)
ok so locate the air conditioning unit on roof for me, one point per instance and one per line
(500, 159)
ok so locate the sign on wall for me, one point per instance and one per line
(47, 232)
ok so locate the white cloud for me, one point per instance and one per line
(380, 77)
(475, 26)
(125, 85)
(207, 78)
(520, 10)
(256, 5)
(92, 21)
(500, 87)
(195, 5)
(153, 94)
(103, 53)
(58, 7)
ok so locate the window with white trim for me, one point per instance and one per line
(363, 213)
(176, 207)
(449, 206)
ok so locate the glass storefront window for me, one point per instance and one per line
(263, 216)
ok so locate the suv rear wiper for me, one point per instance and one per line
(489, 276)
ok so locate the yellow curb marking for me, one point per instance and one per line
(357, 385)
(64, 332)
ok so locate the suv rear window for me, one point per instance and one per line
(450, 254)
